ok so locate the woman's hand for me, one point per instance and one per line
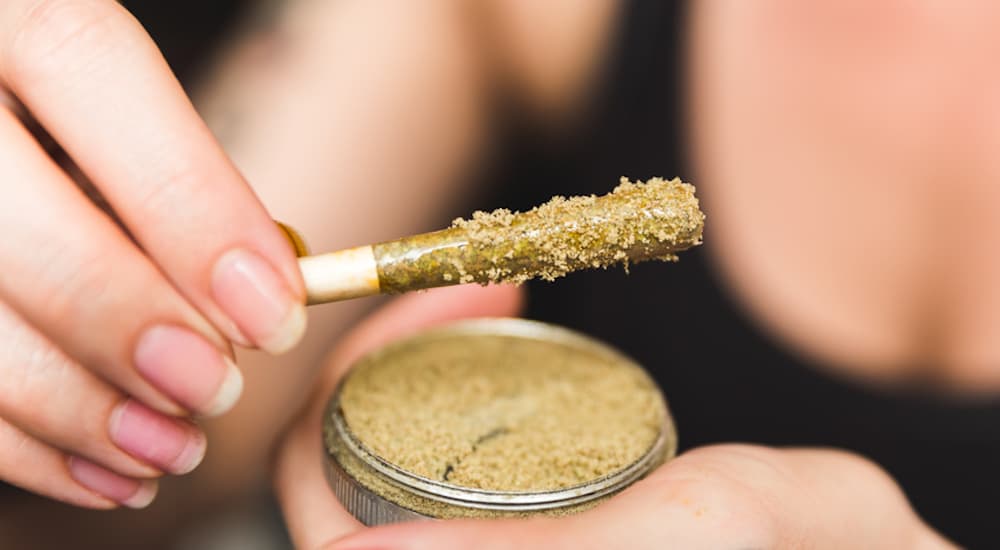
(112, 328)
(726, 496)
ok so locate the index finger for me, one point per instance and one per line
(93, 78)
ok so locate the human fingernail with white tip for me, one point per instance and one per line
(189, 369)
(170, 444)
(133, 493)
(258, 300)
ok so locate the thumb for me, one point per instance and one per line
(674, 506)
(629, 520)
(509, 534)
(602, 528)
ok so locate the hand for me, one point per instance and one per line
(725, 496)
(112, 328)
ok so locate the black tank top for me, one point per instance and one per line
(725, 379)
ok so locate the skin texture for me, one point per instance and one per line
(732, 496)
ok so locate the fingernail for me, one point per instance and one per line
(169, 444)
(229, 391)
(133, 493)
(189, 369)
(234, 333)
(252, 293)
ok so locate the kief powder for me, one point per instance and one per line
(497, 406)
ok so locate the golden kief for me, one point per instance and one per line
(496, 405)
(634, 223)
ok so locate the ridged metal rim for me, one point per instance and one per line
(369, 507)
(499, 500)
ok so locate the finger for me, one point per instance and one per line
(648, 516)
(312, 513)
(509, 534)
(39, 468)
(57, 401)
(90, 74)
(697, 500)
(627, 525)
(70, 272)
(724, 496)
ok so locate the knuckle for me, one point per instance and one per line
(171, 188)
(705, 485)
(26, 359)
(725, 507)
(85, 284)
(50, 28)
(32, 373)
(179, 192)
(863, 472)
(90, 277)
(49, 395)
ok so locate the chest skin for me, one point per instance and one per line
(848, 156)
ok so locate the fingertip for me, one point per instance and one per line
(188, 368)
(251, 292)
(291, 331)
(144, 495)
(91, 500)
(233, 333)
(170, 444)
(510, 300)
(229, 391)
(192, 455)
(110, 488)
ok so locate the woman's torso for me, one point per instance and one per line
(843, 156)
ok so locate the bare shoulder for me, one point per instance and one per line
(838, 144)
(550, 51)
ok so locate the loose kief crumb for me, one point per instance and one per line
(635, 222)
(502, 413)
